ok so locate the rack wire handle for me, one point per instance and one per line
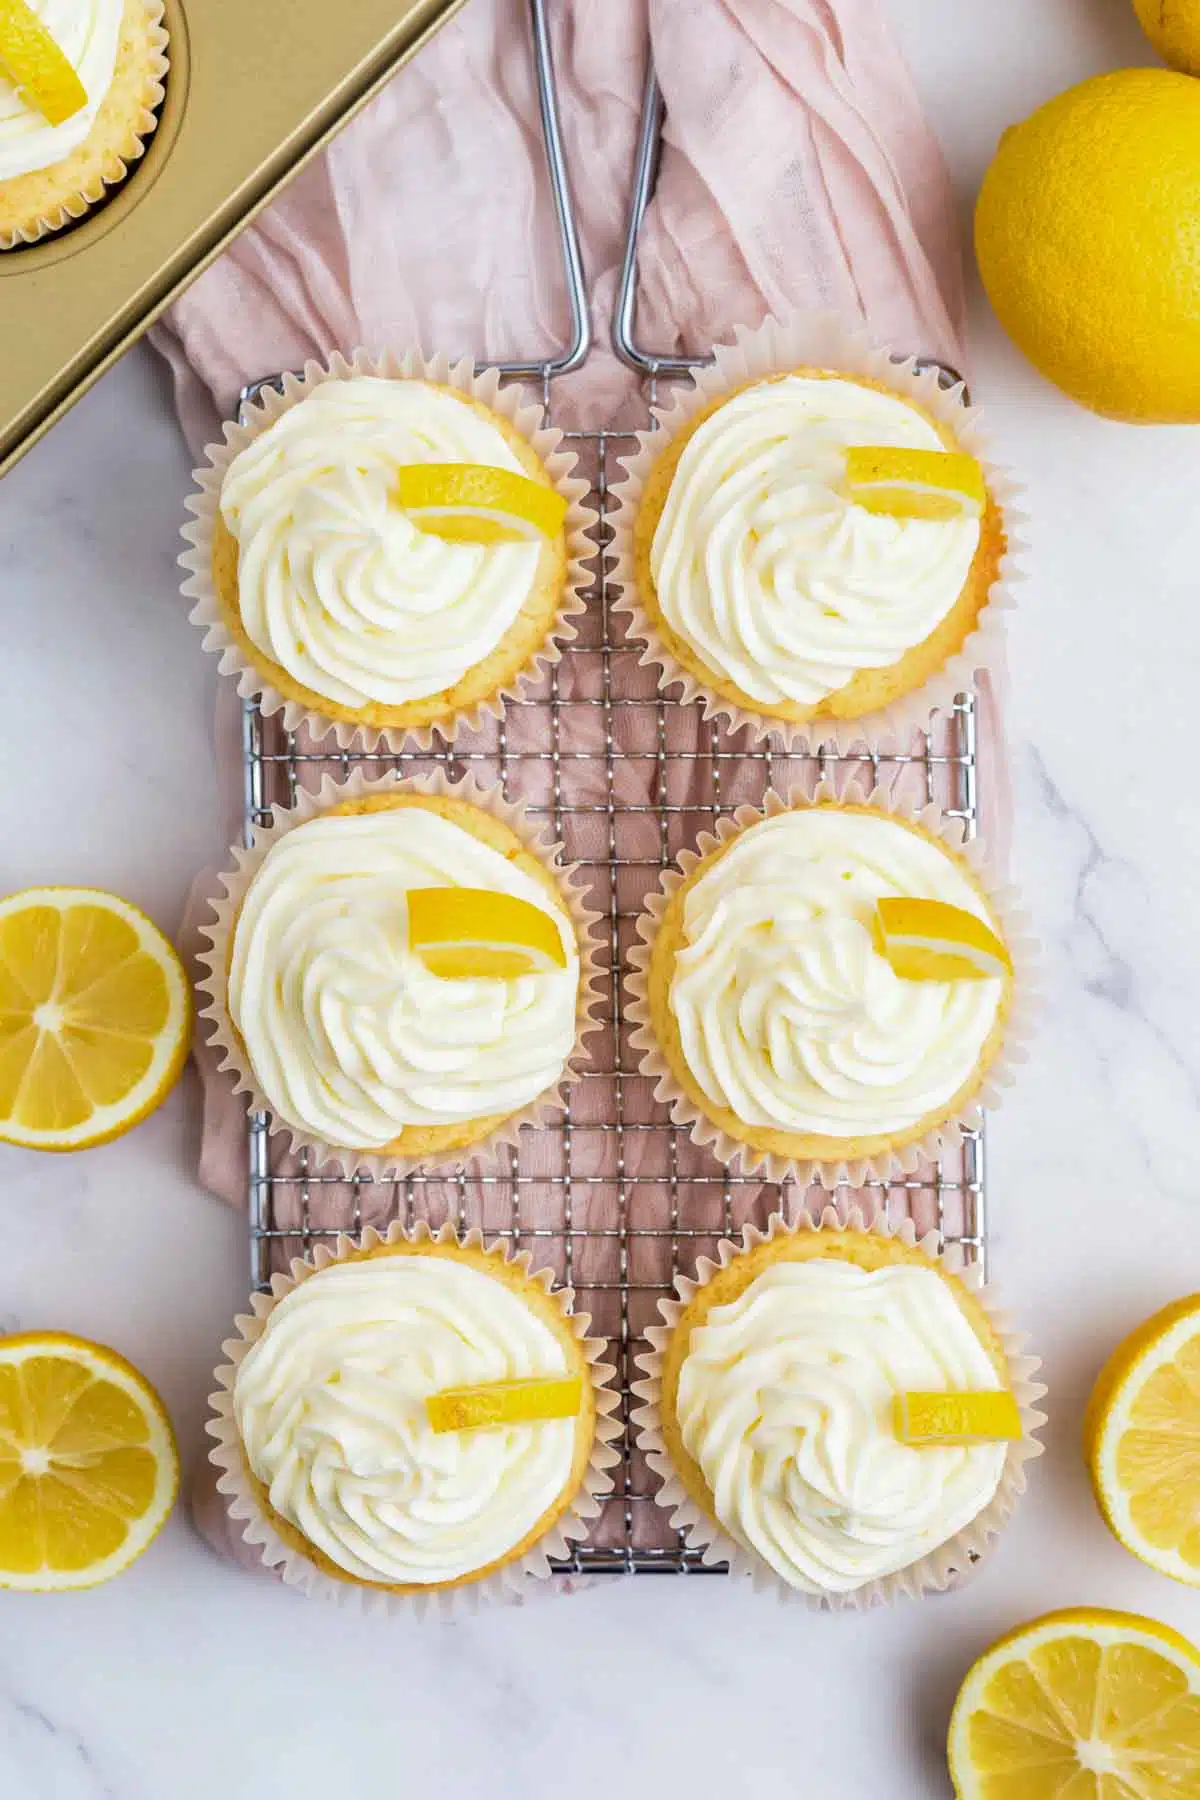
(653, 363)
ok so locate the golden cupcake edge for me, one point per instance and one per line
(781, 1156)
(886, 705)
(531, 646)
(500, 824)
(565, 1522)
(683, 1491)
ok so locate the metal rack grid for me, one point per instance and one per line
(656, 777)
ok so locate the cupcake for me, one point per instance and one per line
(757, 566)
(76, 107)
(347, 606)
(783, 1025)
(400, 974)
(776, 1412)
(346, 1443)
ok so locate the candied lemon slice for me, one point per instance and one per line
(928, 940)
(472, 503)
(915, 484)
(964, 1418)
(1080, 1705)
(465, 934)
(88, 1465)
(504, 1403)
(94, 1017)
(33, 62)
(1143, 1441)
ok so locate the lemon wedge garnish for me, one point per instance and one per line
(915, 484)
(34, 63)
(465, 934)
(1143, 1441)
(94, 1017)
(472, 503)
(1090, 1704)
(928, 940)
(986, 1417)
(88, 1466)
(504, 1403)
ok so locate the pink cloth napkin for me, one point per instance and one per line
(797, 172)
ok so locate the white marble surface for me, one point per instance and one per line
(190, 1680)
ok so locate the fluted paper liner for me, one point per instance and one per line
(884, 1166)
(116, 170)
(505, 1583)
(821, 341)
(932, 1572)
(213, 986)
(271, 404)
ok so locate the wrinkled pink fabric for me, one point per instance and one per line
(797, 172)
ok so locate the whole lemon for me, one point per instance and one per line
(1087, 231)
(1173, 27)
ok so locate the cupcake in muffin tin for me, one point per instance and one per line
(51, 174)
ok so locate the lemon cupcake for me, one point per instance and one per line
(836, 1413)
(400, 973)
(829, 989)
(413, 1418)
(79, 84)
(806, 545)
(387, 547)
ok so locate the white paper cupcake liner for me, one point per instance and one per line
(76, 206)
(933, 1572)
(886, 1166)
(212, 988)
(821, 341)
(204, 503)
(507, 1583)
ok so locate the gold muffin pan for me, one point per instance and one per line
(255, 88)
(614, 1198)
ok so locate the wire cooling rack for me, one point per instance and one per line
(651, 777)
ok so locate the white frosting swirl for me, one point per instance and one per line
(88, 33)
(785, 1404)
(788, 1015)
(330, 1405)
(336, 583)
(777, 581)
(349, 1035)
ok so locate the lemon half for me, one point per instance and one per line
(88, 1465)
(1080, 1705)
(94, 1017)
(1142, 1437)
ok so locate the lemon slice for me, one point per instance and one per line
(927, 940)
(1080, 1705)
(986, 1417)
(915, 484)
(504, 1403)
(1143, 1441)
(472, 503)
(34, 63)
(469, 934)
(88, 1465)
(94, 1017)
